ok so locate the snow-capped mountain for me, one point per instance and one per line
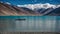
(38, 6)
(35, 6)
(29, 9)
(41, 8)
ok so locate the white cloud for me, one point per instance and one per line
(33, 6)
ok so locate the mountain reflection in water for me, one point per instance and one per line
(30, 23)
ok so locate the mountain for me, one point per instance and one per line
(41, 10)
(29, 10)
(47, 11)
(39, 6)
(55, 12)
(6, 9)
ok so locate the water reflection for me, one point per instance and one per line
(31, 23)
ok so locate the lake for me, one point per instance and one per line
(30, 23)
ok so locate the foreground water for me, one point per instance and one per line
(30, 23)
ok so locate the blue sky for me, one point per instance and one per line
(15, 2)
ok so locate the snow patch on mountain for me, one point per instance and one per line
(5, 3)
(8, 3)
(33, 6)
(1, 2)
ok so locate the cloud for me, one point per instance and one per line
(33, 6)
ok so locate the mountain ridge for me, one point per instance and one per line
(10, 10)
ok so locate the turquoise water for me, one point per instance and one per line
(31, 23)
(13, 17)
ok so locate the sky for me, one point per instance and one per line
(21, 2)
